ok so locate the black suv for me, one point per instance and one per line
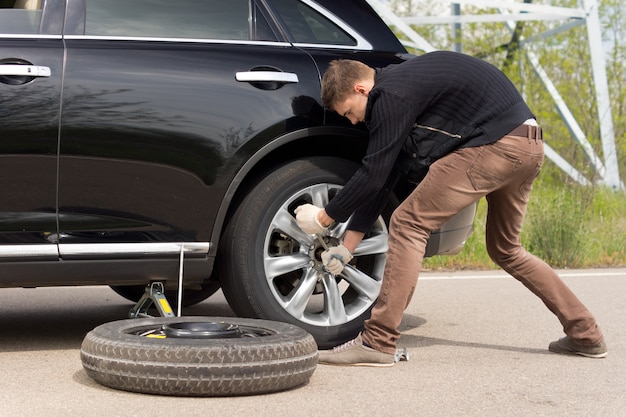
(149, 140)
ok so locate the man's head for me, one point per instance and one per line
(345, 87)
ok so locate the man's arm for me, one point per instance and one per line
(391, 120)
(352, 239)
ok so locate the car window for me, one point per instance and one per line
(307, 25)
(20, 16)
(193, 19)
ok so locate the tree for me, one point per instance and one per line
(565, 58)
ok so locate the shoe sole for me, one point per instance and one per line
(586, 355)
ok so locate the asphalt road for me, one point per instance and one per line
(478, 344)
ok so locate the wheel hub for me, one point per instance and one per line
(317, 247)
(201, 330)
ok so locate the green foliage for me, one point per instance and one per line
(567, 225)
(559, 226)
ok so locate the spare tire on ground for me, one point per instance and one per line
(199, 356)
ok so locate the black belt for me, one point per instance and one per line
(527, 131)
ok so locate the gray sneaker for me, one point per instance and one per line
(355, 353)
(568, 346)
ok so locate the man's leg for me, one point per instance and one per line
(437, 198)
(506, 212)
(445, 191)
(453, 183)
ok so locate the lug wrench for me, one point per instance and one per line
(325, 246)
(321, 240)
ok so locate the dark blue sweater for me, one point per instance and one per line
(445, 100)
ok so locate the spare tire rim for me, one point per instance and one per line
(200, 330)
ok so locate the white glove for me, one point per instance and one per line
(306, 216)
(336, 258)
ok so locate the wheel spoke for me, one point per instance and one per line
(300, 296)
(286, 223)
(339, 229)
(375, 245)
(334, 302)
(363, 284)
(319, 195)
(280, 265)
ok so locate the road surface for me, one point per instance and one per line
(478, 345)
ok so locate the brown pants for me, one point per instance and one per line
(503, 172)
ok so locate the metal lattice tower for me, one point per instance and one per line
(607, 169)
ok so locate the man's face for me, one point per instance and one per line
(354, 106)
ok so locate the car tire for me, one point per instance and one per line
(139, 355)
(270, 269)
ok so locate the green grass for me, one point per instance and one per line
(568, 226)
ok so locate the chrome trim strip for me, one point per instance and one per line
(367, 47)
(180, 40)
(26, 36)
(86, 250)
(29, 251)
(362, 44)
(140, 250)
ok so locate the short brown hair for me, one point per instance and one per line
(339, 80)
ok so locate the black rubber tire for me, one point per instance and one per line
(116, 356)
(191, 296)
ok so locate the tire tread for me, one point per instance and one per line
(191, 367)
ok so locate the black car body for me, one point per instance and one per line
(132, 132)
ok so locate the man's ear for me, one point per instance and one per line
(361, 88)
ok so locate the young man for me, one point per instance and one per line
(463, 121)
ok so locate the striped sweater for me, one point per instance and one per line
(443, 96)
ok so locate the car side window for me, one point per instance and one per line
(307, 25)
(20, 17)
(191, 19)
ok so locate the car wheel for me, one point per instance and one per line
(191, 296)
(270, 269)
(199, 356)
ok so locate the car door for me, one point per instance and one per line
(31, 64)
(159, 96)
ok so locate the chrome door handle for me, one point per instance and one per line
(25, 70)
(266, 76)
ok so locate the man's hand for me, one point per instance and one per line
(306, 216)
(336, 258)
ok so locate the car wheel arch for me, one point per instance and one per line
(302, 143)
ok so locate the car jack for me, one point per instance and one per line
(154, 294)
